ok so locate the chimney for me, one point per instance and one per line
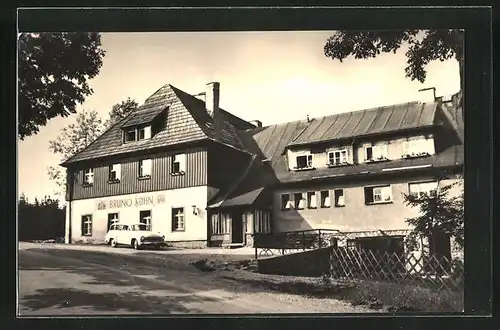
(256, 123)
(212, 98)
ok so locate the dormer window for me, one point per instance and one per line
(338, 157)
(130, 135)
(376, 153)
(304, 162)
(137, 134)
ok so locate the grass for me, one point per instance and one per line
(395, 298)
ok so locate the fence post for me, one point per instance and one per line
(319, 237)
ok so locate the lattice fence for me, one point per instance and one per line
(432, 272)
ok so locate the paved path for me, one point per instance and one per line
(57, 280)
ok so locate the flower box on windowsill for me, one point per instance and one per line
(338, 165)
(114, 181)
(145, 177)
(177, 173)
(298, 169)
(381, 202)
(87, 185)
(415, 155)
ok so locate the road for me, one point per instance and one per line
(65, 281)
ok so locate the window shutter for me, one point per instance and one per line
(182, 162)
(118, 170)
(82, 226)
(146, 164)
(147, 132)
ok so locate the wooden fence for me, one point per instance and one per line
(431, 271)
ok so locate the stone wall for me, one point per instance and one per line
(313, 263)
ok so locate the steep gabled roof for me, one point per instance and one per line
(368, 122)
(186, 121)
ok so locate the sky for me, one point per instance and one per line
(274, 77)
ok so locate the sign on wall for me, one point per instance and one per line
(131, 202)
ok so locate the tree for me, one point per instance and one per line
(423, 47)
(76, 137)
(120, 111)
(439, 213)
(73, 139)
(53, 74)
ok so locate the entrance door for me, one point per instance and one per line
(237, 228)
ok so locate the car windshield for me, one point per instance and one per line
(140, 227)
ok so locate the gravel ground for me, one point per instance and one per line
(70, 279)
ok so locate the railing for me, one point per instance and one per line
(431, 271)
(287, 242)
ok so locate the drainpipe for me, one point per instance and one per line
(354, 161)
(69, 221)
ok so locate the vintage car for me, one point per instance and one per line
(136, 235)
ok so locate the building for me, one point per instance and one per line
(202, 176)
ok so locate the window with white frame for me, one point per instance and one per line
(337, 157)
(286, 203)
(114, 172)
(262, 222)
(376, 152)
(220, 223)
(325, 199)
(299, 201)
(145, 168)
(144, 133)
(305, 161)
(178, 223)
(87, 225)
(112, 219)
(145, 218)
(88, 176)
(178, 163)
(311, 200)
(339, 197)
(415, 147)
(379, 194)
(130, 135)
(137, 134)
(421, 189)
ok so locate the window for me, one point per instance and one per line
(325, 199)
(311, 200)
(178, 219)
(88, 176)
(415, 147)
(304, 161)
(220, 223)
(376, 152)
(145, 168)
(339, 197)
(420, 189)
(87, 225)
(381, 194)
(145, 218)
(179, 163)
(130, 135)
(337, 157)
(112, 219)
(262, 222)
(144, 133)
(114, 172)
(137, 134)
(286, 203)
(299, 201)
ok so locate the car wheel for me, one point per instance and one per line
(135, 244)
(112, 242)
